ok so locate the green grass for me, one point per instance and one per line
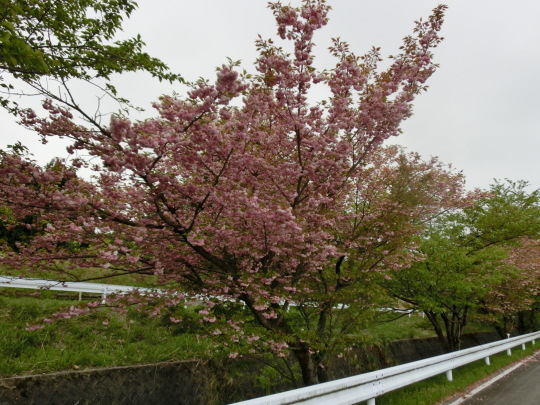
(413, 327)
(404, 328)
(101, 338)
(436, 389)
(108, 338)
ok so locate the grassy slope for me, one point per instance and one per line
(412, 327)
(101, 338)
(107, 338)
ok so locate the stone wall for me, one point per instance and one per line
(405, 351)
(196, 382)
(189, 383)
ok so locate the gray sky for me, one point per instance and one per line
(480, 112)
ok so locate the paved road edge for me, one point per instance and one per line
(473, 389)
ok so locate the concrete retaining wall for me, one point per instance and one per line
(195, 382)
(166, 383)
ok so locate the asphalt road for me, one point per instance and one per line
(520, 387)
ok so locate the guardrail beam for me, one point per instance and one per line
(369, 386)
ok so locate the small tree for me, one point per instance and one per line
(514, 302)
(276, 203)
(464, 259)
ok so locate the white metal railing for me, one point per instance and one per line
(89, 288)
(71, 286)
(368, 386)
(106, 289)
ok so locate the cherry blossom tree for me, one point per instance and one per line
(245, 191)
(513, 303)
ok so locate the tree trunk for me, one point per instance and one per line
(432, 316)
(500, 328)
(454, 327)
(313, 371)
(450, 337)
(526, 322)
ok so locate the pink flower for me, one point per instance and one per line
(32, 328)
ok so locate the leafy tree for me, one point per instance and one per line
(513, 303)
(464, 257)
(68, 39)
(269, 201)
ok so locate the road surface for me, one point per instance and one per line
(520, 387)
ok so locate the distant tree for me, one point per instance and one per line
(514, 302)
(61, 40)
(270, 201)
(464, 262)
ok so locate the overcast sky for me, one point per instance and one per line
(481, 112)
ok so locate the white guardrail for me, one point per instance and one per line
(87, 288)
(71, 286)
(368, 386)
(106, 289)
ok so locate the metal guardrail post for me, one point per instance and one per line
(371, 401)
(488, 362)
(449, 375)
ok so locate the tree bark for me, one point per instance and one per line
(432, 316)
(307, 365)
(313, 371)
(526, 322)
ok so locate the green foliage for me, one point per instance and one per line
(464, 256)
(16, 231)
(70, 39)
(107, 338)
